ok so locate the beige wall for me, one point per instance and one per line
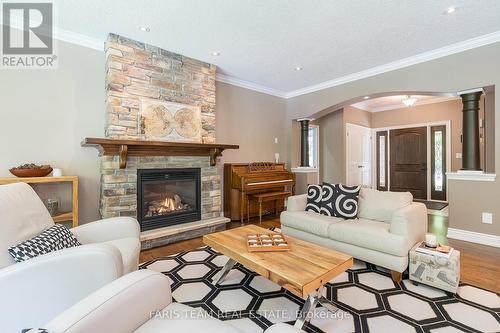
(331, 147)
(357, 116)
(45, 114)
(251, 120)
(453, 73)
(489, 130)
(294, 142)
(450, 110)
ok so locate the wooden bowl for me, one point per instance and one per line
(31, 172)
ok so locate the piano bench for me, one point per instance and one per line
(264, 197)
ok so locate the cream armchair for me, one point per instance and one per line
(23, 215)
(120, 232)
(140, 302)
(36, 290)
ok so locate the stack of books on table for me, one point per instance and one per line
(422, 248)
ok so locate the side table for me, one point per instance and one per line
(73, 180)
(435, 271)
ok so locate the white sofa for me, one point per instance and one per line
(37, 289)
(389, 224)
(140, 302)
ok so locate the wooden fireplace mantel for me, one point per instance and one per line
(124, 148)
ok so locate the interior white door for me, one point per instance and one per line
(358, 155)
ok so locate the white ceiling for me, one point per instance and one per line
(386, 103)
(262, 41)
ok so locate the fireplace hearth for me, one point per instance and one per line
(167, 197)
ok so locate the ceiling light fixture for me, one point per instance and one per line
(215, 53)
(298, 68)
(409, 101)
(145, 29)
(451, 10)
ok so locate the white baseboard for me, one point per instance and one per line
(474, 237)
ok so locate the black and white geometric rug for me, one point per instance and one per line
(368, 298)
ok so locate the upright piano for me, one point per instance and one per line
(244, 179)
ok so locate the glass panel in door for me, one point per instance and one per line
(381, 152)
(438, 163)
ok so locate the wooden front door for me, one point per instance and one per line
(408, 151)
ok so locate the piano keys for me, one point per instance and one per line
(244, 179)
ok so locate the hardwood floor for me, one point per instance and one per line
(197, 242)
(480, 264)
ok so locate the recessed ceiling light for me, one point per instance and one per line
(145, 29)
(215, 53)
(451, 10)
(298, 68)
(366, 97)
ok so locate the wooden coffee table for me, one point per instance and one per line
(303, 270)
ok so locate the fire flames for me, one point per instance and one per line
(169, 205)
(165, 206)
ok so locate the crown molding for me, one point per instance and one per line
(65, 35)
(494, 37)
(249, 85)
(469, 44)
(79, 39)
(445, 51)
(94, 43)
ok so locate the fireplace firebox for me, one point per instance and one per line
(168, 196)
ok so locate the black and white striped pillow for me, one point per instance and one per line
(340, 200)
(313, 198)
(52, 239)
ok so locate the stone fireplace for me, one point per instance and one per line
(154, 94)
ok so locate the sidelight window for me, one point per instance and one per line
(438, 163)
(381, 151)
(382, 159)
